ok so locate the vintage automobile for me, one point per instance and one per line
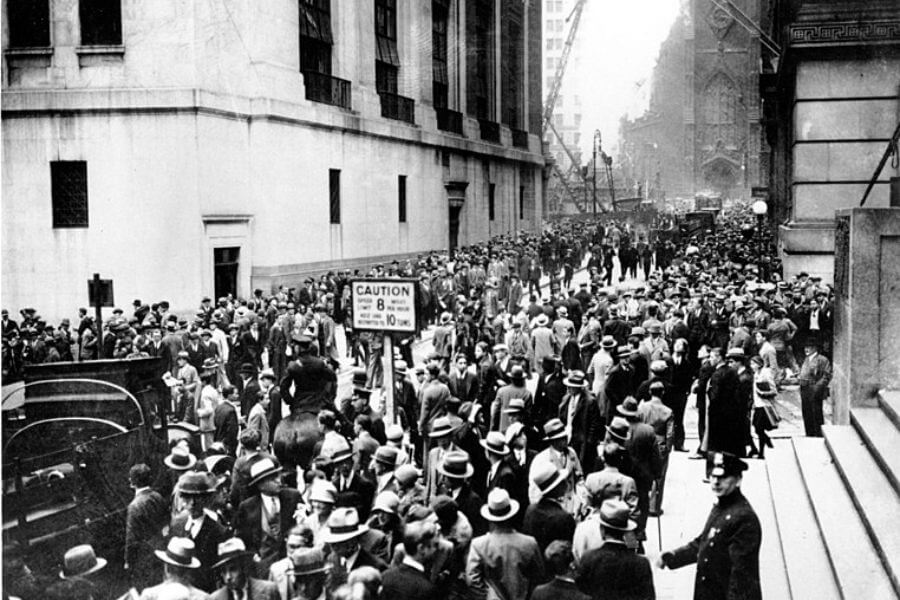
(70, 433)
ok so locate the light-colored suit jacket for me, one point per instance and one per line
(505, 565)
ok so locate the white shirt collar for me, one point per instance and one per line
(411, 562)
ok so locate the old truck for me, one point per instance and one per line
(71, 431)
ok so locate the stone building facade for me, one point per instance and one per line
(197, 147)
(702, 131)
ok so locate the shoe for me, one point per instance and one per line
(706, 480)
(681, 449)
(655, 513)
(696, 456)
(769, 443)
(752, 453)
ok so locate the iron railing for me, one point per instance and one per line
(327, 89)
(519, 138)
(490, 131)
(449, 120)
(397, 107)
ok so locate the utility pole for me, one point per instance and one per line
(594, 164)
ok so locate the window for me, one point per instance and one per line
(386, 18)
(720, 112)
(29, 23)
(387, 59)
(101, 22)
(521, 202)
(480, 90)
(69, 193)
(334, 196)
(491, 190)
(401, 197)
(315, 36)
(549, 43)
(439, 76)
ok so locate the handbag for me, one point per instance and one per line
(772, 417)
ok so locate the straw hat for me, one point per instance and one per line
(343, 525)
(499, 506)
(180, 553)
(80, 561)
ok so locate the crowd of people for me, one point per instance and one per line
(524, 456)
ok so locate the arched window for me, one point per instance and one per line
(720, 111)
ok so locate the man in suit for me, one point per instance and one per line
(463, 382)
(613, 571)
(235, 567)
(196, 523)
(305, 574)
(581, 416)
(560, 563)
(226, 420)
(726, 425)
(815, 375)
(408, 581)
(179, 565)
(547, 520)
(145, 518)
(283, 573)
(173, 344)
(457, 471)
(353, 487)
(519, 459)
(441, 437)
(263, 520)
(249, 388)
(252, 344)
(500, 473)
(503, 560)
(549, 392)
(342, 535)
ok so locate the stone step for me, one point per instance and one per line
(882, 437)
(857, 566)
(889, 400)
(875, 498)
(809, 571)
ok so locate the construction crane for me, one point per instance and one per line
(553, 95)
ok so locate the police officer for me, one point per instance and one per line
(727, 550)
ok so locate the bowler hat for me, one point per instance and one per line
(499, 506)
(517, 373)
(180, 553)
(456, 465)
(80, 561)
(231, 550)
(360, 381)
(614, 514)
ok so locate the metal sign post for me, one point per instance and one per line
(385, 306)
(100, 294)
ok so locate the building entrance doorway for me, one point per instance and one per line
(225, 270)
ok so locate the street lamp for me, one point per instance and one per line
(759, 208)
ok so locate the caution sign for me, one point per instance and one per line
(384, 304)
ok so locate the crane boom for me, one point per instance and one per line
(550, 103)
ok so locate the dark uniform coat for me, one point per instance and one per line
(726, 552)
(727, 426)
(548, 521)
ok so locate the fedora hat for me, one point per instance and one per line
(219, 464)
(387, 455)
(80, 561)
(406, 474)
(209, 365)
(517, 373)
(553, 430)
(262, 469)
(230, 550)
(608, 342)
(614, 514)
(345, 452)
(618, 430)
(495, 443)
(624, 351)
(309, 561)
(180, 459)
(322, 491)
(267, 374)
(548, 477)
(343, 525)
(196, 483)
(360, 381)
(247, 369)
(456, 465)
(575, 379)
(394, 433)
(515, 406)
(180, 553)
(441, 427)
(658, 366)
(513, 431)
(737, 353)
(542, 320)
(499, 506)
(628, 408)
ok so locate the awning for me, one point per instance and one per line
(386, 51)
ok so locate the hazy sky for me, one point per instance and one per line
(619, 42)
